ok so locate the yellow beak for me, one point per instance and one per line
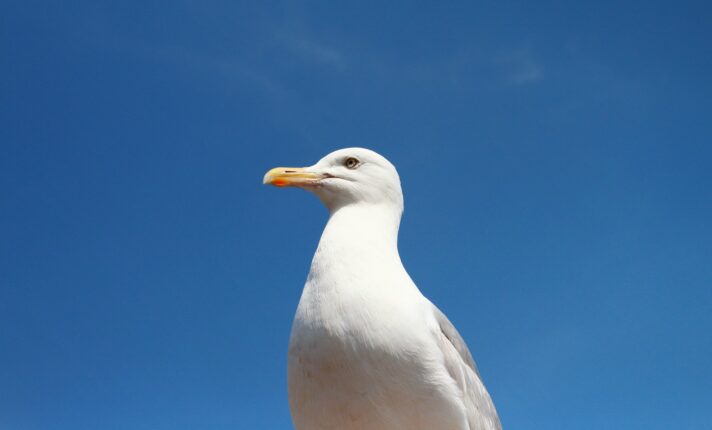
(291, 177)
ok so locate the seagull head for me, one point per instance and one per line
(350, 176)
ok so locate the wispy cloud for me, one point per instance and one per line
(312, 50)
(226, 71)
(461, 70)
(229, 68)
(519, 67)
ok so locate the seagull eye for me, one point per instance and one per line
(351, 163)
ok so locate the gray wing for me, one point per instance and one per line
(481, 414)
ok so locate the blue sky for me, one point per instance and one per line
(555, 159)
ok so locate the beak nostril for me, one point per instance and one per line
(290, 171)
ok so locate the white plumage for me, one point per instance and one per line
(368, 351)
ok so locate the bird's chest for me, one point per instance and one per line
(356, 363)
(339, 385)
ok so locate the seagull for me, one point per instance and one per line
(367, 350)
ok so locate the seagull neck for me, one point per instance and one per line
(366, 227)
